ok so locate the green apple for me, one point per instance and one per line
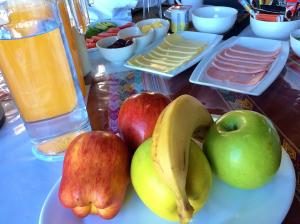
(243, 148)
(153, 191)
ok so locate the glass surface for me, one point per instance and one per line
(37, 65)
(76, 27)
(6, 101)
(152, 9)
(79, 10)
(63, 10)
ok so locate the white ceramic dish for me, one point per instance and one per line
(211, 39)
(214, 19)
(268, 204)
(295, 43)
(141, 40)
(273, 30)
(199, 75)
(117, 22)
(115, 55)
(160, 32)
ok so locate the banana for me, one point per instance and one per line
(170, 148)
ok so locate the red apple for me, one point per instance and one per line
(138, 115)
(95, 174)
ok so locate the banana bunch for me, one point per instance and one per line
(182, 119)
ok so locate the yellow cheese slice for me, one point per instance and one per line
(186, 44)
(176, 48)
(172, 54)
(166, 58)
(175, 39)
(139, 62)
(149, 60)
(169, 63)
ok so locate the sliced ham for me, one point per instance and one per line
(224, 58)
(217, 74)
(241, 65)
(236, 67)
(236, 55)
(235, 77)
(252, 52)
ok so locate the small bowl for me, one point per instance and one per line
(141, 39)
(115, 55)
(159, 32)
(273, 30)
(295, 41)
(214, 19)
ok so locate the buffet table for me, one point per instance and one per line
(26, 181)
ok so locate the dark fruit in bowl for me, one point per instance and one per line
(120, 43)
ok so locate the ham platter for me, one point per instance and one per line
(243, 64)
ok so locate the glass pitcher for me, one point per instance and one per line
(37, 65)
(71, 35)
(78, 13)
(152, 9)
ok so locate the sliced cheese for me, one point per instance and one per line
(177, 48)
(140, 62)
(166, 57)
(171, 54)
(186, 45)
(176, 39)
(155, 60)
(149, 60)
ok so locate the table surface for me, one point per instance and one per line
(25, 181)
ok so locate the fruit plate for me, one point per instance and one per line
(211, 39)
(268, 204)
(118, 22)
(199, 75)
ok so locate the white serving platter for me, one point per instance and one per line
(226, 205)
(199, 75)
(211, 39)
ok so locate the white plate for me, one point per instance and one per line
(117, 22)
(199, 75)
(268, 204)
(211, 39)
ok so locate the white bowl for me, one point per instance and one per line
(115, 55)
(295, 43)
(160, 32)
(214, 19)
(141, 39)
(273, 30)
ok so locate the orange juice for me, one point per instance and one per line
(23, 19)
(34, 11)
(72, 44)
(42, 91)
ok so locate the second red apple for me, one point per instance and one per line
(138, 115)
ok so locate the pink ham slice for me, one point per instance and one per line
(224, 58)
(237, 55)
(252, 52)
(235, 77)
(238, 67)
